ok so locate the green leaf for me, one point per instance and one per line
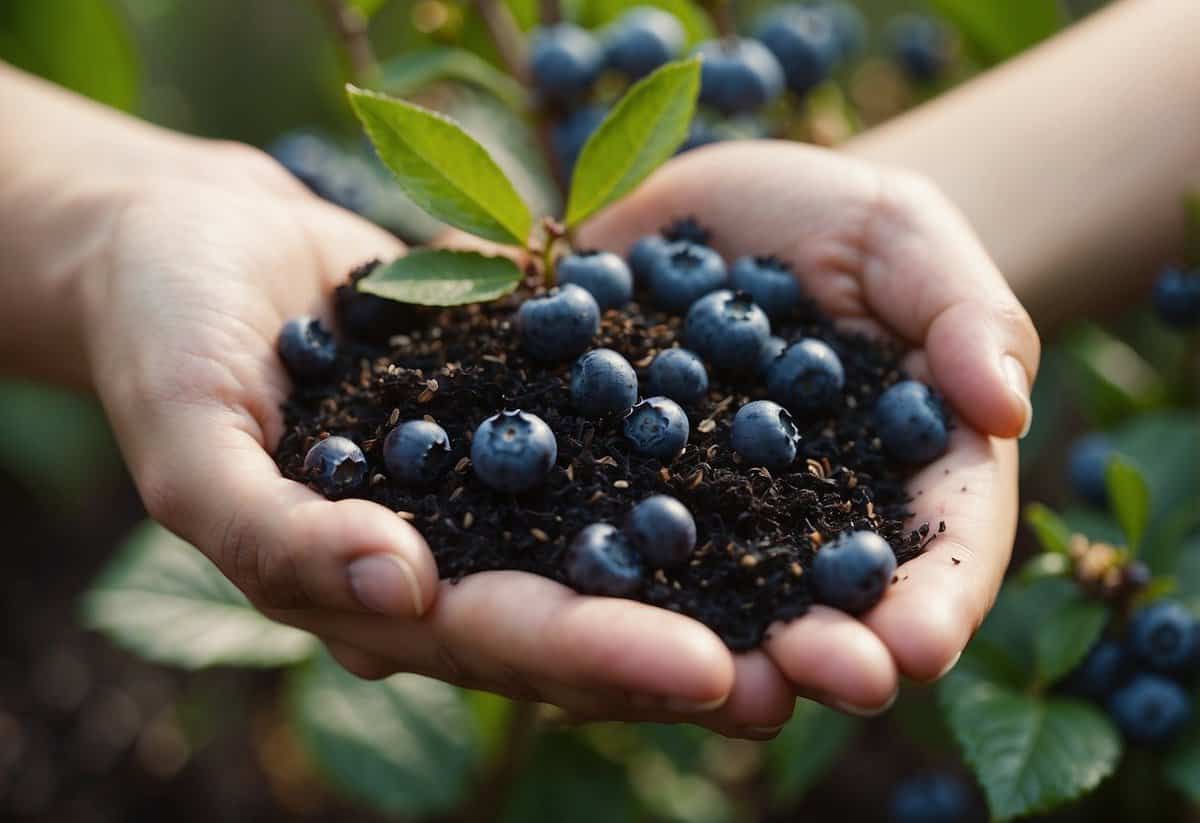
(1030, 755)
(695, 21)
(806, 748)
(1063, 638)
(1045, 565)
(1097, 526)
(1052, 533)
(441, 277)
(565, 779)
(410, 73)
(84, 45)
(443, 168)
(404, 745)
(1182, 765)
(1129, 498)
(643, 129)
(998, 29)
(164, 600)
(1114, 381)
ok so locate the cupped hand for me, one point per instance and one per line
(885, 253)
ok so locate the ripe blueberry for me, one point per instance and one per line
(513, 451)
(564, 61)
(1087, 464)
(644, 254)
(307, 350)
(849, 26)
(687, 230)
(1150, 710)
(1164, 636)
(911, 423)
(600, 560)
(415, 452)
(728, 329)
(603, 382)
(602, 274)
(765, 434)
(771, 350)
(920, 45)
(804, 42)
(678, 374)
(738, 75)
(662, 530)
(931, 798)
(336, 466)
(683, 273)
(657, 427)
(853, 571)
(1100, 673)
(558, 325)
(643, 39)
(1176, 298)
(770, 282)
(570, 134)
(807, 378)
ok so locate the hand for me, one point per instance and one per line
(202, 264)
(887, 254)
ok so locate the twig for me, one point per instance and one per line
(351, 29)
(551, 12)
(721, 12)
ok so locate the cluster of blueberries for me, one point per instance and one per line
(1142, 678)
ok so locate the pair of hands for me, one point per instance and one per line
(202, 266)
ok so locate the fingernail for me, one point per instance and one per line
(861, 711)
(386, 584)
(681, 706)
(949, 666)
(1018, 383)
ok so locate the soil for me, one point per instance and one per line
(757, 531)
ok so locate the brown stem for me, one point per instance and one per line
(351, 29)
(550, 12)
(721, 12)
(492, 790)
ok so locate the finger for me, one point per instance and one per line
(833, 658)
(529, 637)
(359, 663)
(940, 598)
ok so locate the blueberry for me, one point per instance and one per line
(678, 374)
(804, 42)
(1150, 710)
(657, 427)
(600, 560)
(558, 325)
(738, 75)
(603, 382)
(1164, 636)
(728, 329)
(415, 452)
(569, 135)
(772, 284)
(513, 451)
(853, 571)
(1176, 298)
(328, 171)
(662, 530)
(807, 378)
(931, 798)
(771, 350)
(687, 230)
(849, 27)
(643, 39)
(644, 255)
(336, 466)
(602, 274)
(911, 423)
(564, 61)
(765, 434)
(307, 350)
(683, 273)
(1100, 673)
(921, 45)
(1087, 463)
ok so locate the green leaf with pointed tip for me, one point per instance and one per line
(441, 277)
(443, 168)
(1064, 637)
(1129, 498)
(410, 73)
(164, 600)
(1030, 755)
(1052, 533)
(405, 745)
(643, 130)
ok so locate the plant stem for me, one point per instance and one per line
(492, 791)
(351, 29)
(721, 12)
(550, 12)
(554, 232)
